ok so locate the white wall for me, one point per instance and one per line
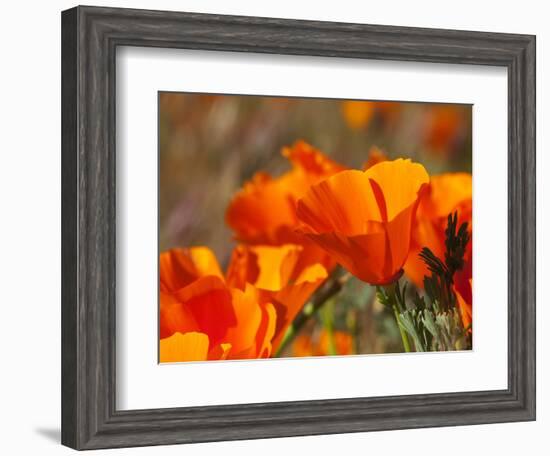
(30, 224)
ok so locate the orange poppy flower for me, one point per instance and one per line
(358, 114)
(463, 293)
(305, 345)
(463, 286)
(364, 219)
(446, 194)
(201, 318)
(264, 210)
(286, 277)
(180, 267)
(444, 126)
(204, 315)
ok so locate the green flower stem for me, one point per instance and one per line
(331, 287)
(394, 298)
(404, 337)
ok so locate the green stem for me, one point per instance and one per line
(332, 286)
(404, 338)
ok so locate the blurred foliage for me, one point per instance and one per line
(209, 145)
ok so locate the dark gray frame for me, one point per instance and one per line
(90, 36)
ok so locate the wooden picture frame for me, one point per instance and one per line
(90, 37)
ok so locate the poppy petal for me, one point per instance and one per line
(266, 331)
(342, 203)
(179, 267)
(210, 303)
(220, 352)
(174, 316)
(248, 316)
(192, 346)
(401, 181)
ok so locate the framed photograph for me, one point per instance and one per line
(281, 228)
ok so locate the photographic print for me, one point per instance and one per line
(299, 227)
(222, 228)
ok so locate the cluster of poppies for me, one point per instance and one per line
(292, 232)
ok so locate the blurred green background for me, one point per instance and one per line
(209, 145)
